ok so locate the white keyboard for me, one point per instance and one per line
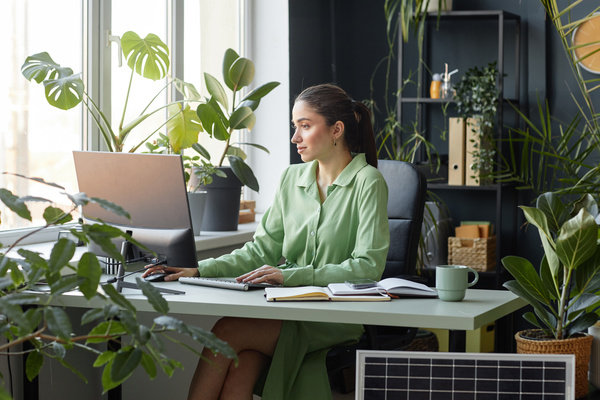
(225, 283)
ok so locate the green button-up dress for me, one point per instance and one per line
(345, 237)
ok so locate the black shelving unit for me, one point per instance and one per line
(451, 24)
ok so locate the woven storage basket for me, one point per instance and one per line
(479, 253)
(580, 346)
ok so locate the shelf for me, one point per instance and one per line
(445, 186)
(475, 15)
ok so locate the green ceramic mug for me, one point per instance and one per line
(452, 281)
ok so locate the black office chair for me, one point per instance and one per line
(407, 191)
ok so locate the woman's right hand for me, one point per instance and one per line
(174, 273)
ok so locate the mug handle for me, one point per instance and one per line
(474, 281)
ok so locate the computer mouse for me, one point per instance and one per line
(156, 277)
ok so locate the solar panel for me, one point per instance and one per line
(398, 375)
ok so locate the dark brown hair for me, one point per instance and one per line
(334, 104)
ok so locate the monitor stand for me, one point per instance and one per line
(130, 285)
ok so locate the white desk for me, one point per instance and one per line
(480, 307)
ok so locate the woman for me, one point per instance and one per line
(329, 223)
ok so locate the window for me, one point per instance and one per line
(36, 139)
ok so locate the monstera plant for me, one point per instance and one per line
(147, 57)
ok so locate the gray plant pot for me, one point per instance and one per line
(223, 203)
(197, 201)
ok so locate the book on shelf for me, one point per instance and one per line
(394, 287)
(306, 293)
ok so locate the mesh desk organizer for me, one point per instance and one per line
(454, 376)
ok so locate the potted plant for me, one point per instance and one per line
(147, 57)
(476, 100)
(27, 316)
(564, 291)
(221, 116)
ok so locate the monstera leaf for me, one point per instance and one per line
(64, 89)
(183, 127)
(149, 57)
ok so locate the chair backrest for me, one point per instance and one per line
(407, 191)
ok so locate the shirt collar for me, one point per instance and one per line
(358, 162)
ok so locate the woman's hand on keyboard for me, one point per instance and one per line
(174, 273)
(264, 274)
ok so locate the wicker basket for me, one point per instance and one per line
(479, 253)
(581, 347)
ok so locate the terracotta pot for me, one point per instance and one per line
(531, 342)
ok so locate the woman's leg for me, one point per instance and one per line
(241, 379)
(242, 334)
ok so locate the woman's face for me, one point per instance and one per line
(312, 137)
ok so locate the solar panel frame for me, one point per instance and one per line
(404, 375)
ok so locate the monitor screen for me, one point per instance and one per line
(151, 188)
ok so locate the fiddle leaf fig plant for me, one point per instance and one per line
(147, 57)
(221, 116)
(33, 314)
(565, 290)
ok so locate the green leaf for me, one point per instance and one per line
(211, 121)
(201, 150)
(62, 253)
(149, 365)
(103, 358)
(236, 151)
(241, 73)
(118, 298)
(228, 60)
(90, 271)
(106, 330)
(243, 172)
(148, 57)
(258, 146)
(112, 207)
(33, 365)
(107, 382)
(60, 285)
(261, 91)
(15, 204)
(555, 211)
(125, 363)
(65, 92)
(526, 275)
(154, 296)
(242, 118)
(59, 350)
(216, 90)
(582, 323)
(102, 235)
(56, 216)
(92, 315)
(58, 322)
(577, 240)
(183, 127)
(188, 90)
(38, 66)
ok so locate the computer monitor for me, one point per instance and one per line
(151, 188)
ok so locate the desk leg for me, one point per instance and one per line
(115, 393)
(457, 341)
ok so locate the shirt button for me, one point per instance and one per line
(312, 233)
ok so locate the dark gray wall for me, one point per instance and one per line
(343, 41)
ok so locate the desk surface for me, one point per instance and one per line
(479, 307)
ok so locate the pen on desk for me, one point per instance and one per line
(114, 279)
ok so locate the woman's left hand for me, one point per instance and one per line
(264, 274)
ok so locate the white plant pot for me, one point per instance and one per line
(433, 6)
(594, 369)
